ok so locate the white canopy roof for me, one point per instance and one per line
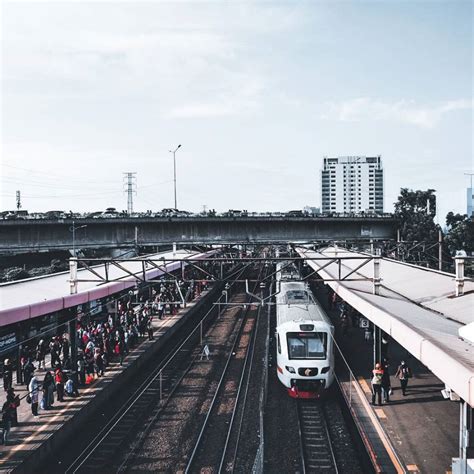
(416, 306)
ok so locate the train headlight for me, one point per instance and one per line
(291, 370)
(325, 370)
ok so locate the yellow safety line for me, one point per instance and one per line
(383, 437)
(364, 385)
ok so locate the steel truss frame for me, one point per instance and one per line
(162, 263)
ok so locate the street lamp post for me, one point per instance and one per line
(174, 168)
(73, 229)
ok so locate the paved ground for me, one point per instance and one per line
(422, 426)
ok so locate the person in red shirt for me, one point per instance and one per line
(59, 379)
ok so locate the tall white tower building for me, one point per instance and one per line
(352, 184)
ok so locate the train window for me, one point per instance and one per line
(307, 345)
(278, 344)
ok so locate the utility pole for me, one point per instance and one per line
(18, 200)
(130, 183)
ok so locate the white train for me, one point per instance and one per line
(305, 348)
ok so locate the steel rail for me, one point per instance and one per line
(132, 453)
(220, 385)
(129, 404)
(245, 397)
(319, 455)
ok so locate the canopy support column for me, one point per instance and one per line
(465, 462)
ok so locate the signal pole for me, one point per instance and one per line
(130, 183)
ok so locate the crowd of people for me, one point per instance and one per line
(100, 341)
(381, 382)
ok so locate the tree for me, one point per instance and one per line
(460, 234)
(415, 211)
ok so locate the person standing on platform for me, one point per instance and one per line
(28, 370)
(7, 375)
(386, 385)
(7, 417)
(34, 388)
(376, 381)
(14, 400)
(59, 379)
(403, 374)
(41, 354)
(48, 390)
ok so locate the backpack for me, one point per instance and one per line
(406, 372)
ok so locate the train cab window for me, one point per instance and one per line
(307, 345)
(278, 344)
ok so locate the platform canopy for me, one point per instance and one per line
(33, 297)
(416, 306)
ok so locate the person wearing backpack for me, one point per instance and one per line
(403, 374)
(377, 375)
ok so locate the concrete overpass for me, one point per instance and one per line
(25, 236)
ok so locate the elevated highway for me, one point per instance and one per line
(24, 236)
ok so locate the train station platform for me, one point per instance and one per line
(35, 438)
(428, 312)
(422, 427)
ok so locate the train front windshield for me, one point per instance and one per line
(307, 345)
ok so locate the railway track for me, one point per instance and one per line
(317, 455)
(218, 441)
(103, 451)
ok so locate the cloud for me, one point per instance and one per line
(240, 94)
(405, 111)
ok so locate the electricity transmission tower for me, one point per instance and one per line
(130, 187)
(18, 200)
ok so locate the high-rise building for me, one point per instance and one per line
(352, 184)
(470, 201)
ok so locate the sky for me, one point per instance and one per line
(256, 92)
